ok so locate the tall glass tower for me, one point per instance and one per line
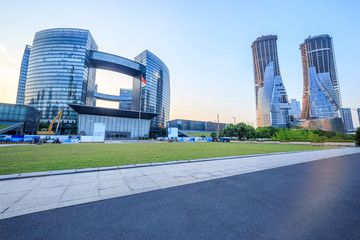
(59, 72)
(272, 105)
(23, 74)
(321, 90)
(346, 117)
(155, 94)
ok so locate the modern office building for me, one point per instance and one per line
(23, 75)
(191, 125)
(358, 112)
(19, 119)
(321, 90)
(346, 117)
(60, 73)
(295, 108)
(155, 94)
(272, 105)
(62, 69)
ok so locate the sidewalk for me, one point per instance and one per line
(23, 196)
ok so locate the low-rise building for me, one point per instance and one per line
(119, 124)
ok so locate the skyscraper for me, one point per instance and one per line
(321, 90)
(272, 105)
(347, 118)
(155, 94)
(295, 108)
(23, 75)
(59, 72)
(358, 112)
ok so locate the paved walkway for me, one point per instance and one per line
(23, 196)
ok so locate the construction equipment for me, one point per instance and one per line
(49, 131)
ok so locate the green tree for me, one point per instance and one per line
(213, 134)
(73, 130)
(357, 136)
(43, 125)
(249, 131)
(229, 131)
(163, 132)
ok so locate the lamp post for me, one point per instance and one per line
(218, 125)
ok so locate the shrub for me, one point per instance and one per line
(357, 136)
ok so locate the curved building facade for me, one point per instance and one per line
(62, 70)
(155, 94)
(272, 105)
(59, 72)
(321, 90)
(23, 75)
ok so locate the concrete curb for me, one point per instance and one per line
(98, 169)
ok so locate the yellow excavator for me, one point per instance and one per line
(49, 131)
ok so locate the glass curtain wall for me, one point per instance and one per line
(59, 72)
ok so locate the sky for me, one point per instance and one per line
(205, 44)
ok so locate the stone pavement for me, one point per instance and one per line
(23, 196)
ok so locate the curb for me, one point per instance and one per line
(141, 165)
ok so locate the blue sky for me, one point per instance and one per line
(205, 44)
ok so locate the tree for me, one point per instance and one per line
(73, 130)
(229, 131)
(213, 134)
(357, 136)
(163, 132)
(43, 125)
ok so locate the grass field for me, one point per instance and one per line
(198, 134)
(34, 158)
(2, 126)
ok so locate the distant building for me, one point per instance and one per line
(358, 112)
(295, 108)
(192, 125)
(20, 118)
(347, 118)
(272, 105)
(321, 90)
(23, 75)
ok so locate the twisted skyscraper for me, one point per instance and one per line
(272, 106)
(321, 92)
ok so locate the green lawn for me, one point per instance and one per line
(198, 134)
(19, 159)
(2, 126)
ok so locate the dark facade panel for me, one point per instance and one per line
(115, 63)
(81, 109)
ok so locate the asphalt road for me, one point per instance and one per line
(315, 200)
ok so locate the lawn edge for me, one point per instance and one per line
(140, 165)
